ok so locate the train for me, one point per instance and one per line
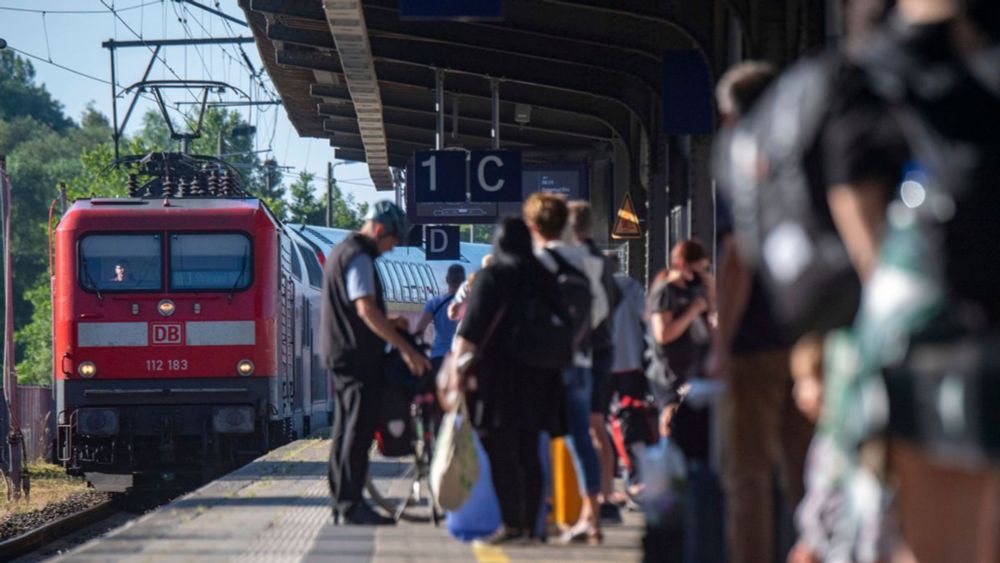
(184, 324)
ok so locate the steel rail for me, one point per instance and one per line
(57, 529)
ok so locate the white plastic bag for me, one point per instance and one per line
(455, 465)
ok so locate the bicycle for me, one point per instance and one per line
(413, 471)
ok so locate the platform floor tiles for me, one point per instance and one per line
(277, 509)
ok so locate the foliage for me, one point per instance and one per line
(35, 367)
(346, 213)
(304, 207)
(19, 96)
(480, 233)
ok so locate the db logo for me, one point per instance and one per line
(167, 334)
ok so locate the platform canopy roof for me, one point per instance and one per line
(572, 73)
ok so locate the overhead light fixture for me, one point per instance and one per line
(522, 114)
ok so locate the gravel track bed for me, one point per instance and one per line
(17, 524)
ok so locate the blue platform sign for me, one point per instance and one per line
(687, 94)
(495, 176)
(443, 242)
(439, 176)
(451, 9)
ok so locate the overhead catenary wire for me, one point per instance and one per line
(76, 12)
(161, 58)
(82, 74)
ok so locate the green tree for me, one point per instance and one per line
(346, 213)
(482, 234)
(35, 365)
(304, 207)
(20, 96)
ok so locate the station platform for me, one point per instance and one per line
(277, 509)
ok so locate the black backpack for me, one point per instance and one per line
(551, 328)
(762, 165)
(950, 117)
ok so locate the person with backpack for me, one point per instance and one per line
(579, 276)
(930, 311)
(354, 331)
(436, 311)
(762, 431)
(510, 399)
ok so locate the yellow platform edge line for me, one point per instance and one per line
(489, 554)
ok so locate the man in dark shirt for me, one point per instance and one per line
(354, 330)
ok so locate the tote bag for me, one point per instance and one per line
(455, 465)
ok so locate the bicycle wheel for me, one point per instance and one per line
(399, 486)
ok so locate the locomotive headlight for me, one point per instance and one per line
(166, 307)
(87, 369)
(245, 367)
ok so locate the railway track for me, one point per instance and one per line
(57, 529)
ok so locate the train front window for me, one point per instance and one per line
(210, 262)
(126, 262)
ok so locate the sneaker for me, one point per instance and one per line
(582, 534)
(362, 515)
(610, 514)
(503, 536)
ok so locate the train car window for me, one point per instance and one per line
(427, 277)
(121, 262)
(416, 284)
(296, 265)
(390, 287)
(417, 293)
(406, 294)
(312, 266)
(210, 262)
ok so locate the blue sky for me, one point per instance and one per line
(74, 40)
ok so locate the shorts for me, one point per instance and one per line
(632, 384)
(600, 397)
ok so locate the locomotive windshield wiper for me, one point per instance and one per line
(243, 270)
(90, 278)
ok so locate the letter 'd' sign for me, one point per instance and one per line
(495, 176)
(442, 242)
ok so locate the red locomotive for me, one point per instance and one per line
(177, 343)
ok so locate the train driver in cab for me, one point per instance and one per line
(122, 274)
(354, 330)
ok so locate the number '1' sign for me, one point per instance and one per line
(455, 176)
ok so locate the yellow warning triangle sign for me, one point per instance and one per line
(627, 223)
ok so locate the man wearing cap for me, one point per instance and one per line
(436, 311)
(354, 330)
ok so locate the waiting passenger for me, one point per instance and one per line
(581, 219)
(510, 403)
(679, 306)
(457, 306)
(436, 311)
(546, 215)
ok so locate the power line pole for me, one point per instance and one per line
(14, 436)
(330, 182)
